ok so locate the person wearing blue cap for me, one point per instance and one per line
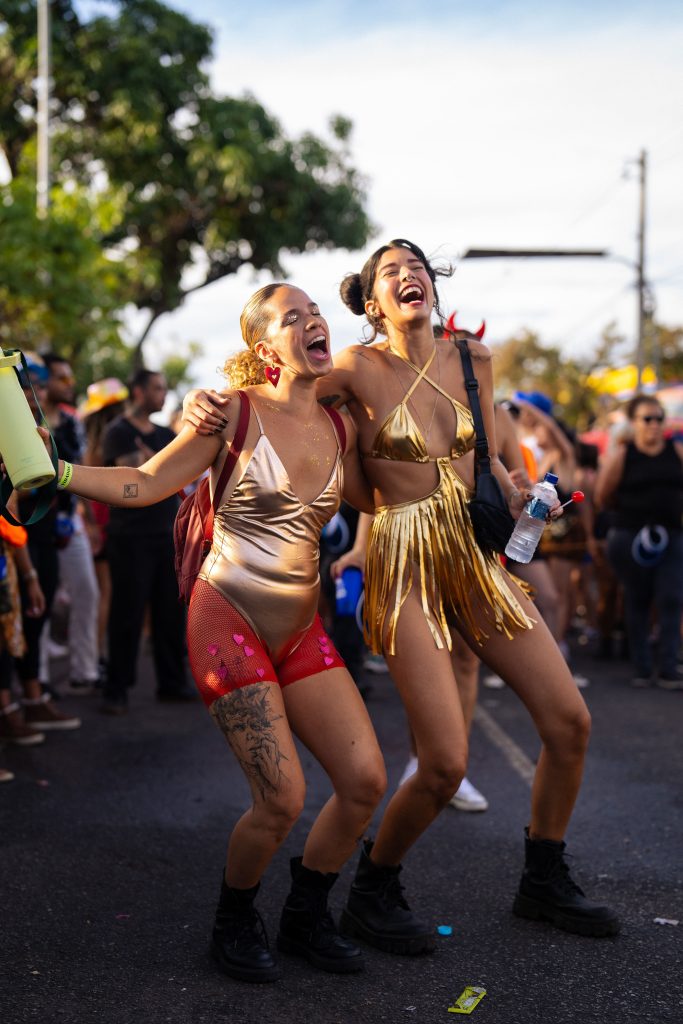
(537, 399)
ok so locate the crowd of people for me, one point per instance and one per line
(112, 571)
(271, 655)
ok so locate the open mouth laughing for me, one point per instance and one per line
(411, 295)
(317, 348)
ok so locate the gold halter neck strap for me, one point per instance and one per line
(399, 439)
(421, 373)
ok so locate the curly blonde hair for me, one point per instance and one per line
(245, 368)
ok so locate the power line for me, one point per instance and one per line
(603, 304)
(607, 196)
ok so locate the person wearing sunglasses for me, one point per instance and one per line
(642, 482)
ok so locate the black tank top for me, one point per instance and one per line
(650, 490)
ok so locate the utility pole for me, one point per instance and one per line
(645, 298)
(640, 266)
(43, 110)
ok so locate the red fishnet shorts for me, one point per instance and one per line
(225, 653)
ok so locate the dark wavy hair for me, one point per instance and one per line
(638, 400)
(357, 289)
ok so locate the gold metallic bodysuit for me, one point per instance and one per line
(265, 552)
(431, 540)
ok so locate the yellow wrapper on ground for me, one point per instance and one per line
(468, 1000)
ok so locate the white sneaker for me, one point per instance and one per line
(408, 771)
(468, 798)
(581, 681)
(56, 650)
(493, 682)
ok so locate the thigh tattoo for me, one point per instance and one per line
(247, 722)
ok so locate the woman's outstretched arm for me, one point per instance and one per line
(176, 465)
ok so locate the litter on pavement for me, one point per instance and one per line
(468, 999)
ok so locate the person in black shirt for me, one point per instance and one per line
(643, 482)
(140, 551)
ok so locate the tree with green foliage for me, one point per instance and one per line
(57, 288)
(666, 352)
(202, 184)
(524, 363)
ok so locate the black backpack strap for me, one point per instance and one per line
(472, 387)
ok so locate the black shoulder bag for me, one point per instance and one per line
(489, 511)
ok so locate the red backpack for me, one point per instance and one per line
(193, 527)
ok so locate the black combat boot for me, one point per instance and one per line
(547, 892)
(377, 911)
(239, 944)
(307, 928)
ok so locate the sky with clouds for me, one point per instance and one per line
(498, 123)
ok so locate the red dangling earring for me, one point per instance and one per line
(273, 375)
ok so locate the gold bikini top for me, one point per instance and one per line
(399, 439)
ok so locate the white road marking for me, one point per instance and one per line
(515, 756)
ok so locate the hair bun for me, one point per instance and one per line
(352, 294)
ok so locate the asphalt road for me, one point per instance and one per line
(112, 840)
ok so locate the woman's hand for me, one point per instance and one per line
(45, 435)
(518, 499)
(516, 502)
(349, 560)
(35, 605)
(206, 411)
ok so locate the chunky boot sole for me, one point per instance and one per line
(535, 910)
(412, 945)
(332, 965)
(256, 975)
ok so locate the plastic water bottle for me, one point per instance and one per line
(531, 523)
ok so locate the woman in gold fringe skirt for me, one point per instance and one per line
(426, 576)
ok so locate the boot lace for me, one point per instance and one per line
(249, 926)
(392, 891)
(559, 874)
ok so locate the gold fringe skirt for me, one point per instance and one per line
(430, 543)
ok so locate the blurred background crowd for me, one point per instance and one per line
(82, 587)
(135, 191)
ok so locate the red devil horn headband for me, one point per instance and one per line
(452, 328)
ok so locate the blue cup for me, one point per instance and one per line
(348, 589)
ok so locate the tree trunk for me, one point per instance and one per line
(137, 361)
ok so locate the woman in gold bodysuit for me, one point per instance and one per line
(259, 654)
(426, 575)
